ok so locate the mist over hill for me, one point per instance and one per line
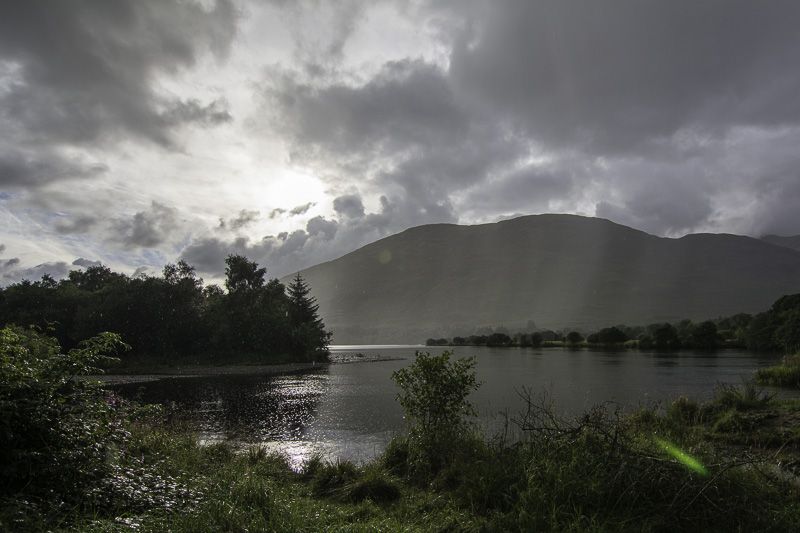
(555, 270)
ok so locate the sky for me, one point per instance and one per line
(134, 134)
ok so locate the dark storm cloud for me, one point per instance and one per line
(592, 88)
(149, 228)
(610, 75)
(81, 73)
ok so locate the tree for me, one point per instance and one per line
(665, 337)
(308, 330)
(498, 339)
(433, 395)
(704, 336)
(243, 275)
(573, 338)
(609, 336)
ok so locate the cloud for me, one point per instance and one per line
(149, 228)
(323, 239)
(613, 77)
(245, 218)
(301, 209)
(543, 106)
(78, 224)
(349, 205)
(9, 273)
(192, 110)
(20, 167)
(318, 226)
(93, 80)
(86, 263)
(2, 248)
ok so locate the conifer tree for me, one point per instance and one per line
(308, 329)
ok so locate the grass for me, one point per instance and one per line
(786, 374)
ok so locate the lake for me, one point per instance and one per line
(348, 409)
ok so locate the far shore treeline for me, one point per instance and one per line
(777, 329)
(175, 318)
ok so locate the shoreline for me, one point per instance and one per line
(156, 373)
(147, 374)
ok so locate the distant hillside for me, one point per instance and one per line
(792, 241)
(556, 270)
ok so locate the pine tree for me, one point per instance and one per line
(308, 329)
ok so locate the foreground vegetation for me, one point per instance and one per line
(777, 329)
(174, 319)
(785, 374)
(77, 458)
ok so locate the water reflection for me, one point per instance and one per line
(242, 408)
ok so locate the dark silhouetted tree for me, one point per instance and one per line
(308, 330)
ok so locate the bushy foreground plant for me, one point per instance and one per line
(785, 374)
(433, 395)
(56, 430)
(64, 441)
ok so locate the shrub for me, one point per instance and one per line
(433, 394)
(57, 431)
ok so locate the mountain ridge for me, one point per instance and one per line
(554, 270)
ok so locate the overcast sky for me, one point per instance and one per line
(139, 133)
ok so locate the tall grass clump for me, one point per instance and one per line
(786, 374)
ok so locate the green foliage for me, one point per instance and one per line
(743, 398)
(683, 411)
(786, 374)
(433, 395)
(54, 427)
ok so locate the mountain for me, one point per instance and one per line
(792, 241)
(556, 270)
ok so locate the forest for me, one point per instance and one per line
(175, 318)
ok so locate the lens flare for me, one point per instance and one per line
(684, 458)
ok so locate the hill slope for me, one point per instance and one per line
(556, 270)
(792, 241)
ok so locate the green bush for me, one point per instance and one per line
(57, 431)
(433, 395)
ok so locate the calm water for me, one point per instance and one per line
(349, 410)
